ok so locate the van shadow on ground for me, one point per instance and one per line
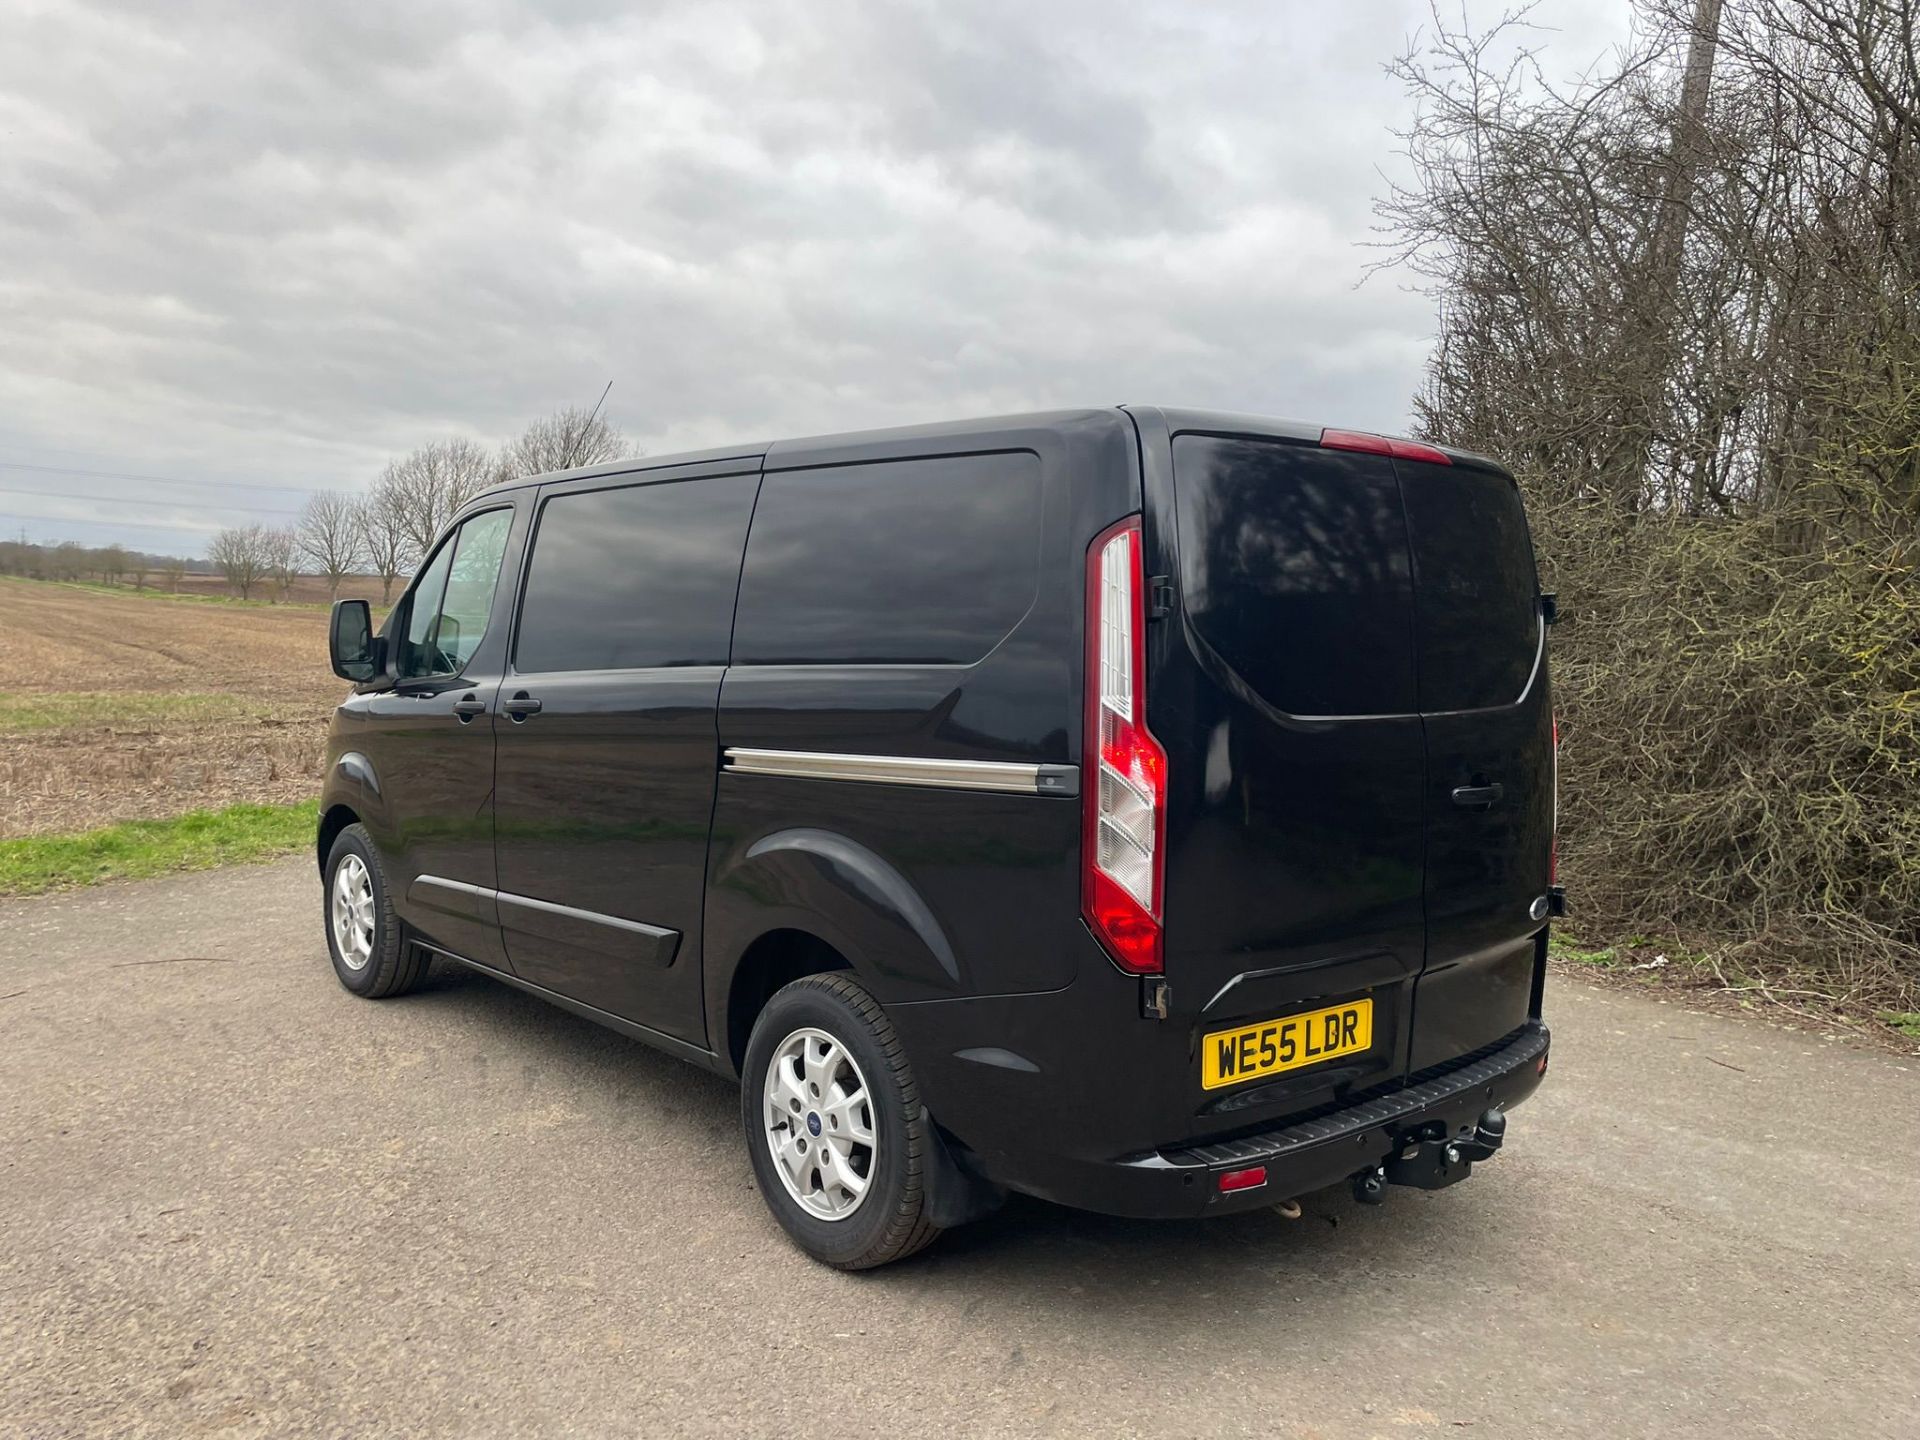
(1163, 1271)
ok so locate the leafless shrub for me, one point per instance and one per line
(561, 441)
(241, 555)
(281, 547)
(383, 536)
(1689, 315)
(421, 491)
(330, 536)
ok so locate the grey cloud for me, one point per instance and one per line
(279, 243)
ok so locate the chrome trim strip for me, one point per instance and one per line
(998, 775)
(587, 917)
(440, 882)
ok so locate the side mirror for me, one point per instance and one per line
(351, 643)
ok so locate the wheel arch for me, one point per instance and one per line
(349, 795)
(804, 900)
(333, 820)
(773, 961)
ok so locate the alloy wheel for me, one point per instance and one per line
(353, 913)
(818, 1115)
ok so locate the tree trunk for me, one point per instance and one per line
(1669, 245)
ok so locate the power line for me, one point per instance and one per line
(154, 479)
(52, 528)
(131, 499)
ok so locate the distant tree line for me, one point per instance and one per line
(107, 564)
(387, 531)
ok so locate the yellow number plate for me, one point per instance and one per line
(1229, 1057)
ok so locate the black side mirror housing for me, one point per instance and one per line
(351, 643)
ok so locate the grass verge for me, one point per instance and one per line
(151, 592)
(1727, 980)
(89, 709)
(33, 864)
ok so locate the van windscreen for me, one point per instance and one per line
(1294, 570)
(1476, 615)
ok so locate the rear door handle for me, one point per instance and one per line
(468, 706)
(521, 706)
(1478, 797)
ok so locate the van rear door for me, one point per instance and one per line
(1481, 648)
(1286, 699)
(1355, 708)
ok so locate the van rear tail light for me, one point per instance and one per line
(1123, 855)
(1250, 1179)
(1382, 445)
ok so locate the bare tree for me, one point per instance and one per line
(1661, 287)
(240, 554)
(383, 538)
(563, 440)
(424, 489)
(330, 536)
(281, 548)
(1680, 295)
(175, 569)
(140, 566)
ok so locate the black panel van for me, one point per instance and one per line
(1144, 809)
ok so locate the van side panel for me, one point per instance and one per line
(794, 851)
(602, 795)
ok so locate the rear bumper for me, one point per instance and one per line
(1305, 1154)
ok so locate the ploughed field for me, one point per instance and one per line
(125, 706)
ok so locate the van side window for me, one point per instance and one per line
(447, 613)
(904, 562)
(1294, 570)
(634, 577)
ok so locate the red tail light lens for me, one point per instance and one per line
(1252, 1179)
(1123, 850)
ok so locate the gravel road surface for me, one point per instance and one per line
(236, 1200)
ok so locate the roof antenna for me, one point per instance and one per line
(576, 447)
(597, 404)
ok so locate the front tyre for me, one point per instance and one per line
(840, 1144)
(363, 936)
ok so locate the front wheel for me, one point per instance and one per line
(839, 1142)
(370, 956)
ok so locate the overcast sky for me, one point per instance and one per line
(264, 245)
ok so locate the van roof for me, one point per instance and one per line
(849, 446)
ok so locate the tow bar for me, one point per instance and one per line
(1425, 1157)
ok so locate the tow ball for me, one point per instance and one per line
(1430, 1159)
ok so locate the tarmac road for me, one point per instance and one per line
(235, 1199)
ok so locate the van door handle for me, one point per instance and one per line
(1478, 797)
(468, 706)
(521, 706)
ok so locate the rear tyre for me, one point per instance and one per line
(370, 956)
(839, 1143)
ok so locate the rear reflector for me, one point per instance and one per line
(1253, 1179)
(1123, 852)
(1382, 445)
